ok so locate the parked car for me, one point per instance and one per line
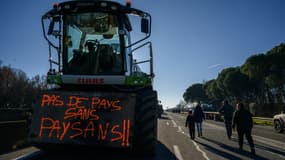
(279, 122)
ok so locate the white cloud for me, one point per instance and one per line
(214, 66)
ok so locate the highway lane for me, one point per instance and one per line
(214, 144)
(264, 131)
(174, 143)
(32, 153)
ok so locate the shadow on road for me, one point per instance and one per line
(161, 153)
(219, 152)
(270, 149)
(230, 148)
(266, 148)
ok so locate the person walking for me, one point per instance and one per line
(243, 122)
(227, 110)
(190, 123)
(199, 117)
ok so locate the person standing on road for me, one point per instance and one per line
(243, 122)
(190, 123)
(199, 117)
(227, 110)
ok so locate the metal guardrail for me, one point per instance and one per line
(13, 134)
(263, 118)
(12, 122)
(218, 116)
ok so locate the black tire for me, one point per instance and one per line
(146, 123)
(278, 126)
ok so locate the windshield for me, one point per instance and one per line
(92, 44)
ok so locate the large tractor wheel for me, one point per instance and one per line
(146, 123)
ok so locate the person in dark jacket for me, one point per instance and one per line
(190, 123)
(243, 122)
(199, 117)
(227, 110)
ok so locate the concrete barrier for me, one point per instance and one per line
(13, 134)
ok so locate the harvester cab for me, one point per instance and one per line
(100, 94)
(90, 43)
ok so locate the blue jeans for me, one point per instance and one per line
(199, 128)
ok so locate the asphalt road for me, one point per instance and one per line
(174, 143)
(214, 145)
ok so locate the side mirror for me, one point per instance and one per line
(51, 25)
(144, 26)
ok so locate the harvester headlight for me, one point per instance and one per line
(67, 7)
(103, 4)
(114, 8)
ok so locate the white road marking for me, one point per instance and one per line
(30, 155)
(174, 123)
(167, 123)
(176, 149)
(270, 142)
(177, 152)
(179, 129)
(203, 153)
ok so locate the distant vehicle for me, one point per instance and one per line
(279, 122)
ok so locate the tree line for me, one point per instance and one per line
(260, 79)
(17, 90)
